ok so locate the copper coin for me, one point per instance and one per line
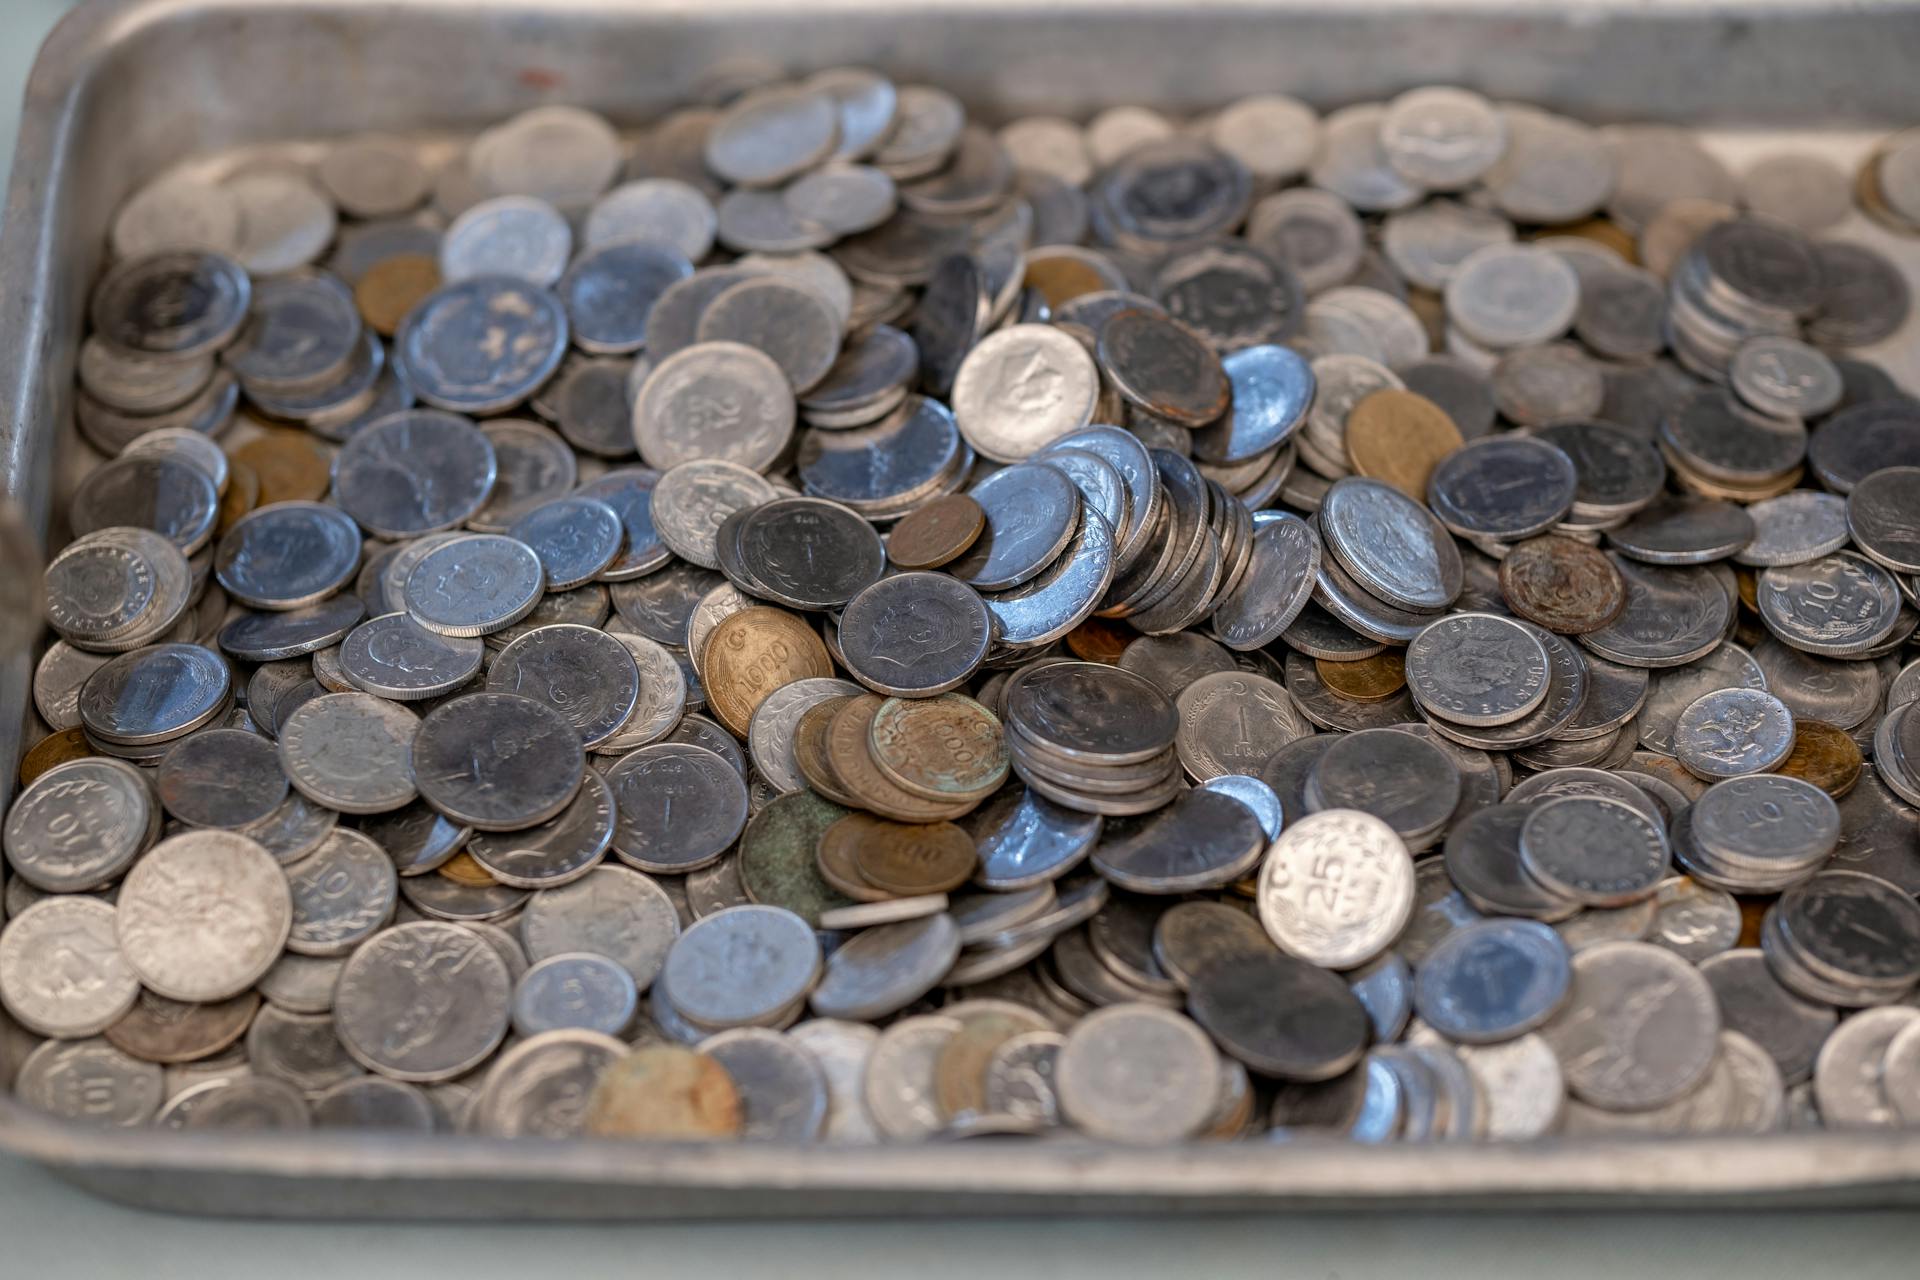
(908, 858)
(1372, 679)
(391, 287)
(948, 748)
(859, 776)
(810, 750)
(1098, 640)
(1825, 755)
(1398, 437)
(289, 467)
(1562, 584)
(1062, 277)
(1753, 916)
(157, 1029)
(754, 652)
(1165, 368)
(462, 869)
(838, 866)
(241, 495)
(937, 533)
(664, 1091)
(55, 748)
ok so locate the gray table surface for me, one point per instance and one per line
(49, 1229)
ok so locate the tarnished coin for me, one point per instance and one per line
(1598, 851)
(948, 748)
(1233, 723)
(343, 893)
(741, 966)
(937, 533)
(395, 657)
(611, 911)
(287, 555)
(751, 654)
(350, 752)
(1503, 487)
(695, 497)
(61, 970)
(664, 1092)
(445, 347)
(1204, 839)
(1730, 732)
(497, 761)
(444, 981)
(807, 553)
(78, 825)
(585, 674)
(1562, 584)
(1281, 1016)
(221, 778)
(1116, 1075)
(884, 969)
(203, 915)
(558, 851)
(1477, 669)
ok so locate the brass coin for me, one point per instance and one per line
(837, 866)
(1061, 278)
(754, 652)
(242, 495)
(1748, 583)
(1372, 679)
(462, 869)
(859, 776)
(1666, 239)
(391, 287)
(908, 858)
(1825, 755)
(937, 533)
(1562, 584)
(1753, 916)
(664, 1091)
(1604, 233)
(1098, 640)
(1399, 437)
(157, 1029)
(55, 748)
(960, 1072)
(948, 748)
(289, 467)
(1707, 487)
(810, 750)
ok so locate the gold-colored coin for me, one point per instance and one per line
(1235, 1110)
(810, 751)
(1753, 915)
(1707, 487)
(1062, 277)
(754, 652)
(55, 748)
(1825, 755)
(290, 468)
(462, 869)
(392, 287)
(1602, 232)
(1748, 582)
(835, 862)
(1098, 640)
(242, 494)
(1666, 239)
(905, 858)
(1398, 437)
(960, 1072)
(949, 749)
(1670, 770)
(1372, 679)
(859, 776)
(664, 1091)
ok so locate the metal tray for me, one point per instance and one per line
(121, 90)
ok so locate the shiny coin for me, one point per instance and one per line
(79, 824)
(350, 752)
(1639, 1027)
(442, 346)
(395, 657)
(474, 585)
(173, 304)
(751, 654)
(287, 555)
(1730, 732)
(1477, 669)
(154, 694)
(808, 553)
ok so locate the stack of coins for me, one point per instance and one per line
(814, 620)
(1062, 746)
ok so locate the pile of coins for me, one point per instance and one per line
(819, 620)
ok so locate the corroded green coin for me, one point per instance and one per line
(777, 856)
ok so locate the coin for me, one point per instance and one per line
(1477, 669)
(1733, 731)
(753, 653)
(1594, 850)
(471, 758)
(664, 1091)
(1398, 437)
(203, 915)
(350, 752)
(1634, 984)
(221, 778)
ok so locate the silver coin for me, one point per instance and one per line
(662, 698)
(56, 683)
(414, 472)
(558, 851)
(1401, 779)
(1728, 666)
(900, 1083)
(662, 211)
(1694, 921)
(915, 634)
(1639, 1029)
(714, 400)
(394, 657)
(155, 694)
(1023, 388)
(441, 982)
(612, 911)
(350, 752)
(221, 778)
(1031, 514)
(1390, 544)
(1064, 595)
(284, 222)
(343, 893)
(1597, 851)
(884, 969)
(1233, 723)
(203, 915)
(1342, 926)
(61, 971)
(369, 1102)
(1788, 1027)
(1024, 839)
(1672, 617)
(770, 732)
(1794, 528)
(1504, 487)
(1483, 859)
(1477, 669)
(741, 966)
(514, 236)
(535, 467)
(540, 1085)
(783, 1092)
(438, 898)
(172, 497)
(175, 305)
(807, 553)
(1730, 732)
(90, 1081)
(629, 491)
(301, 984)
(1493, 981)
(1881, 515)
(575, 991)
(287, 555)
(271, 637)
(445, 347)
(1848, 1078)
(1133, 1073)
(680, 807)
(474, 585)
(78, 825)
(472, 756)
(695, 497)
(586, 675)
(841, 1050)
(662, 606)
